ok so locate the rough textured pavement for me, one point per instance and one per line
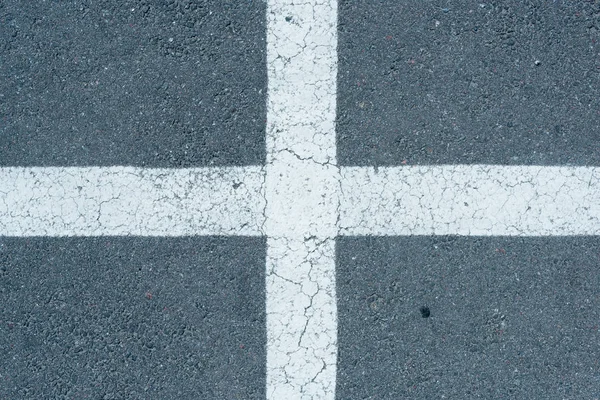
(142, 83)
(509, 318)
(145, 84)
(469, 82)
(116, 317)
(487, 82)
(355, 234)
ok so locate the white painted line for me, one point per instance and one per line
(131, 201)
(301, 200)
(477, 200)
(302, 185)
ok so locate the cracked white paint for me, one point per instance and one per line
(302, 186)
(301, 200)
(409, 200)
(485, 200)
(96, 201)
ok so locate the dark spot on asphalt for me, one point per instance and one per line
(425, 312)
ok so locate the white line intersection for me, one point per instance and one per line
(301, 200)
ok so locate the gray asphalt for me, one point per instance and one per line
(132, 318)
(183, 84)
(469, 82)
(465, 82)
(141, 83)
(509, 318)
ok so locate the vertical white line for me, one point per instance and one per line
(301, 189)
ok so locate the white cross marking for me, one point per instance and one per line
(301, 200)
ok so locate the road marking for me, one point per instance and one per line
(300, 200)
(482, 200)
(302, 182)
(96, 201)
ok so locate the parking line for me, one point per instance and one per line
(481, 200)
(302, 185)
(478, 200)
(99, 201)
(301, 200)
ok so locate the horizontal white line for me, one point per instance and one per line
(410, 200)
(480, 200)
(98, 201)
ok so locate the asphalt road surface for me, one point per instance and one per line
(323, 200)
